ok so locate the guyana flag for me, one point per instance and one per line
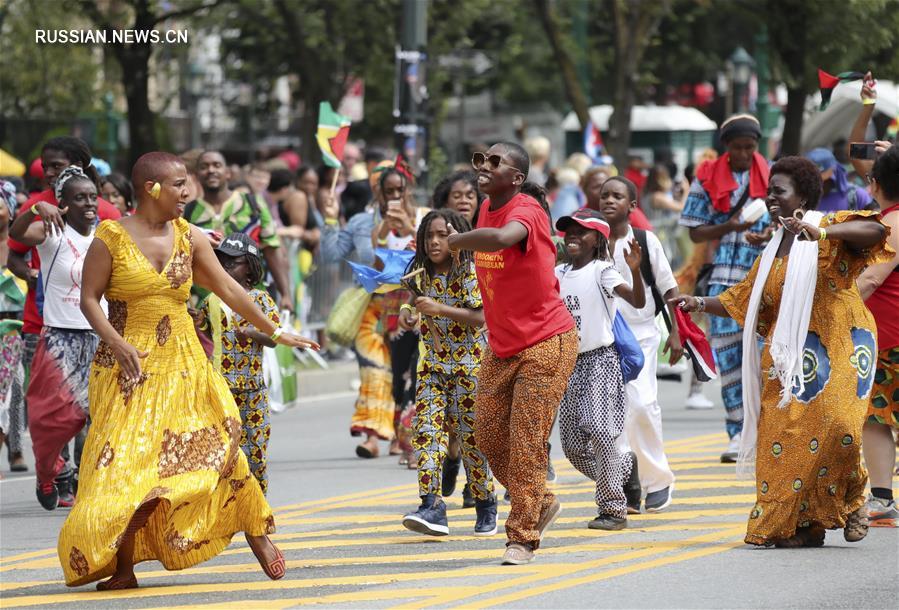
(828, 82)
(332, 134)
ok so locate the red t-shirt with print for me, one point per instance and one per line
(519, 288)
(32, 322)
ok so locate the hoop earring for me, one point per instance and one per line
(156, 190)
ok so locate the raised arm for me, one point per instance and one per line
(27, 232)
(209, 274)
(488, 239)
(860, 127)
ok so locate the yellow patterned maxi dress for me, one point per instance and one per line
(808, 467)
(174, 435)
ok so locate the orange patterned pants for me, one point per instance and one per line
(517, 402)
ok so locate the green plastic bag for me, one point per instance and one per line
(346, 316)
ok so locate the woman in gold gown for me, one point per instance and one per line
(804, 441)
(162, 476)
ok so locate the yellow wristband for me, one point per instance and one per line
(34, 211)
(332, 222)
(822, 234)
(406, 306)
(278, 332)
(869, 101)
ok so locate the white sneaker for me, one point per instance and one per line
(733, 450)
(699, 401)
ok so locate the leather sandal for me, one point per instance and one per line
(117, 583)
(274, 568)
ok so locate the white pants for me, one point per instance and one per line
(643, 425)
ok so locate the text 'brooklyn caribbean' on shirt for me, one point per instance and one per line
(519, 288)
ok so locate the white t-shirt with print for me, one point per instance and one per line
(588, 294)
(62, 259)
(642, 321)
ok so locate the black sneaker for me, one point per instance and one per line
(65, 485)
(485, 525)
(47, 495)
(550, 471)
(632, 489)
(659, 500)
(608, 522)
(468, 500)
(430, 518)
(450, 473)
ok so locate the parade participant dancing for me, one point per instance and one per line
(532, 343)
(237, 352)
(56, 155)
(57, 394)
(447, 375)
(593, 409)
(879, 286)
(720, 191)
(805, 405)
(163, 475)
(643, 426)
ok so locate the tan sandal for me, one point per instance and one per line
(856, 526)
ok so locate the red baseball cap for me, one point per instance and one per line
(587, 218)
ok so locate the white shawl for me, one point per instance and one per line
(788, 341)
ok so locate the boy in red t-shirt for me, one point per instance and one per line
(532, 343)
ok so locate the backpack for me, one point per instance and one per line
(646, 272)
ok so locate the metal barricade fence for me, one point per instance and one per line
(316, 285)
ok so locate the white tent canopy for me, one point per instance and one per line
(824, 128)
(647, 118)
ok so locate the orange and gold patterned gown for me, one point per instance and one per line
(808, 470)
(173, 435)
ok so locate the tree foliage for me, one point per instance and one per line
(53, 81)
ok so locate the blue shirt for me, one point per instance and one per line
(734, 256)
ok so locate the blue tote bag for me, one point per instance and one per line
(630, 356)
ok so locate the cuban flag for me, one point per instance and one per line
(593, 146)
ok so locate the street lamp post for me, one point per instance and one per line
(742, 63)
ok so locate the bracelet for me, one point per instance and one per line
(34, 211)
(822, 234)
(869, 101)
(331, 222)
(277, 334)
(701, 306)
(382, 241)
(407, 306)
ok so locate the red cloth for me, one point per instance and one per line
(519, 288)
(637, 177)
(32, 320)
(696, 345)
(639, 220)
(54, 416)
(884, 303)
(718, 180)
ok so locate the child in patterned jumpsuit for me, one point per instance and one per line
(449, 312)
(238, 347)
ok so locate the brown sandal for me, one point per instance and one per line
(805, 537)
(116, 583)
(368, 449)
(274, 568)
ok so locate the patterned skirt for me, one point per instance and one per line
(884, 407)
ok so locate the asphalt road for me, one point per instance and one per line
(339, 526)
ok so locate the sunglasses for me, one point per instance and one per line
(481, 161)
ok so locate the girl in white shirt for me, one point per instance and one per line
(57, 394)
(592, 413)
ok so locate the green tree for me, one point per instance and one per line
(134, 58)
(48, 81)
(836, 35)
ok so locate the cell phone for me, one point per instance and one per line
(395, 204)
(862, 150)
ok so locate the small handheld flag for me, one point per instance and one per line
(387, 279)
(593, 145)
(332, 134)
(828, 82)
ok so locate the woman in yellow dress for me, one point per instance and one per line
(162, 476)
(805, 399)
